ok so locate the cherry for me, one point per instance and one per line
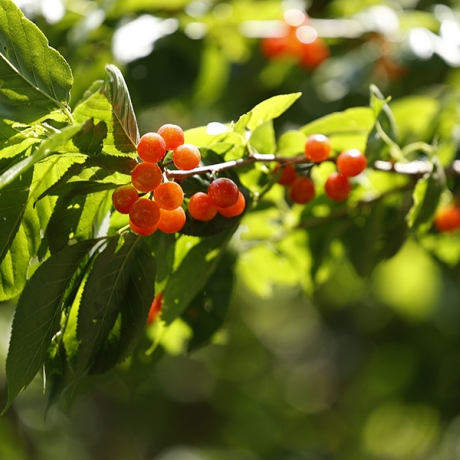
(447, 219)
(236, 209)
(302, 190)
(142, 231)
(272, 47)
(144, 213)
(223, 192)
(337, 187)
(155, 308)
(171, 221)
(151, 147)
(186, 157)
(146, 177)
(169, 195)
(201, 207)
(172, 134)
(351, 162)
(124, 197)
(288, 174)
(314, 53)
(318, 147)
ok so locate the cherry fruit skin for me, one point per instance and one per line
(151, 147)
(169, 195)
(142, 231)
(447, 219)
(186, 157)
(201, 207)
(288, 174)
(236, 209)
(144, 213)
(302, 190)
(171, 221)
(146, 177)
(351, 162)
(173, 135)
(223, 192)
(337, 187)
(124, 197)
(318, 147)
(155, 308)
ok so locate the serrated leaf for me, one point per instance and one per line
(118, 95)
(37, 316)
(90, 139)
(46, 147)
(134, 310)
(73, 219)
(207, 311)
(192, 274)
(29, 221)
(103, 296)
(426, 197)
(270, 109)
(35, 78)
(97, 107)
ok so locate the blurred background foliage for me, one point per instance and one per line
(322, 357)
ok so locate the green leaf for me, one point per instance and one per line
(90, 139)
(38, 314)
(23, 225)
(118, 95)
(134, 310)
(104, 294)
(192, 273)
(265, 111)
(263, 138)
(426, 198)
(207, 311)
(118, 119)
(47, 147)
(35, 78)
(73, 218)
(162, 246)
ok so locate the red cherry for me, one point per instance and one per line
(337, 187)
(351, 162)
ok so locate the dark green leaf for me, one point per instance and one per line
(38, 314)
(426, 198)
(104, 293)
(162, 246)
(192, 274)
(207, 311)
(35, 78)
(90, 139)
(134, 309)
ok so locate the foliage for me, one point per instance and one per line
(84, 283)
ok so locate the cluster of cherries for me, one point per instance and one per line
(318, 148)
(298, 40)
(154, 202)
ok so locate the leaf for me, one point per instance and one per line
(207, 311)
(263, 138)
(192, 274)
(47, 147)
(35, 78)
(90, 139)
(73, 219)
(24, 223)
(162, 245)
(38, 314)
(270, 109)
(98, 108)
(426, 197)
(133, 312)
(118, 95)
(103, 296)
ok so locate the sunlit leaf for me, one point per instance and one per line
(38, 314)
(35, 78)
